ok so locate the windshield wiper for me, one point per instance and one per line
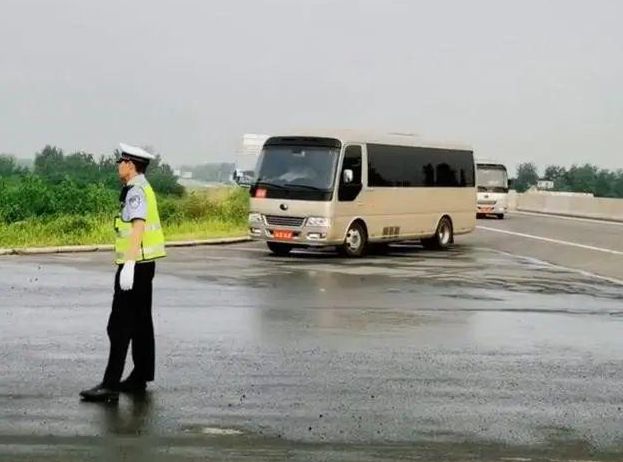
(306, 186)
(289, 185)
(270, 185)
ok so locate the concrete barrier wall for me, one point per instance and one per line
(512, 200)
(574, 206)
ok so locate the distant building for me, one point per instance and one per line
(545, 185)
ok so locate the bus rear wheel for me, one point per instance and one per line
(443, 237)
(279, 249)
(356, 242)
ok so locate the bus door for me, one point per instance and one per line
(350, 187)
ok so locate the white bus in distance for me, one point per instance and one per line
(349, 190)
(492, 182)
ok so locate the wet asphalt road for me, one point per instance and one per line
(587, 245)
(471, 354)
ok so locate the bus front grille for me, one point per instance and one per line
(293, 222)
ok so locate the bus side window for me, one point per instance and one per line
(352, 161)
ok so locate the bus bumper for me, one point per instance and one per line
(306, 235)
(491, 209)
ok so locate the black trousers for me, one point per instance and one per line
(131, 321)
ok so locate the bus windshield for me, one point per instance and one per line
(490, 178)
(298, 166)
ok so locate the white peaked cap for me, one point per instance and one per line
(136, 152)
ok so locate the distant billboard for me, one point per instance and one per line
(252, 143)
(250, 150)
(246, 157)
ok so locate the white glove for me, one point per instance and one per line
(126, 278)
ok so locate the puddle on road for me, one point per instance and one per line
(408, 270)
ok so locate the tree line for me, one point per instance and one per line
(53, 166)
(77, 183)
(585, 178)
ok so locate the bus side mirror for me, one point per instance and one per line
(348, 176)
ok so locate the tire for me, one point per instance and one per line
(443, 238)
(356, 241)
(279, 249)
(500, 216)
(480, 215)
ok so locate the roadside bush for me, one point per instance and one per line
(228, 205)
(169, 210)
(25, 197)
(33, 212)
(31, 197)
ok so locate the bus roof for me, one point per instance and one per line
(365, 137)
(490, 163)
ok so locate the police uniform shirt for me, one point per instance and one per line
(135, 205)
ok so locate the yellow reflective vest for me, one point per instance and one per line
(152, 244)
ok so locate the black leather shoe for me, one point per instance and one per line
(100, 394)
(132, 385)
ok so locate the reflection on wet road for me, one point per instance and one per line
(464, 355)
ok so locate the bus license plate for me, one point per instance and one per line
(283, 235)
(486, 209)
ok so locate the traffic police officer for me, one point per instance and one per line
(138, 244)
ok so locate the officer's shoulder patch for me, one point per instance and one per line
(135, 202)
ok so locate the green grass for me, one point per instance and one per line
(198, 215)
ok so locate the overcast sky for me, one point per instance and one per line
(525, 80)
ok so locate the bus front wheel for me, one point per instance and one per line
(356, 241)
(443, 237)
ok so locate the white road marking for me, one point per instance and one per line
(553, 241)
(559, 217)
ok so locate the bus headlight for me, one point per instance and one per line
(319, 222)
(255, 217)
